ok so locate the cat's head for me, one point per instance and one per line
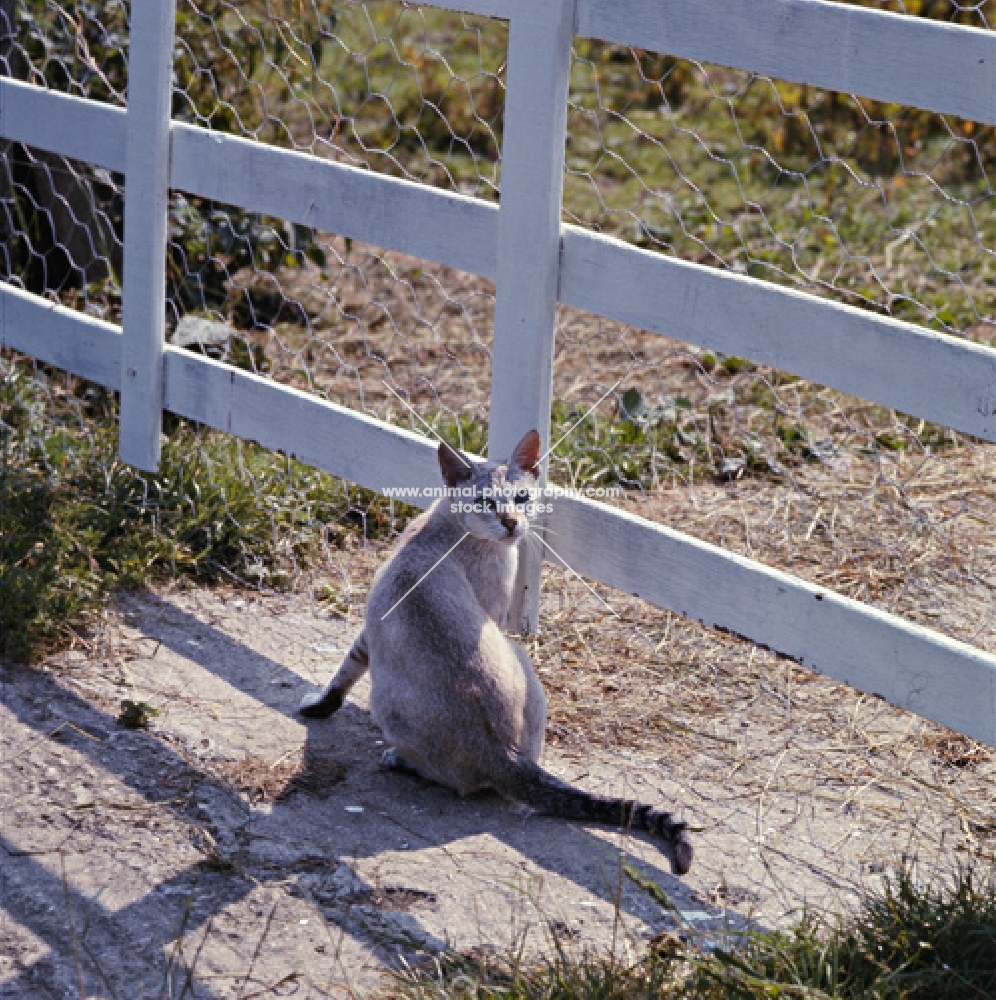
(494, 501)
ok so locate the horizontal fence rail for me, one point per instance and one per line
(928, 64)
(934, 376)
(80, 344)
(888, 57)
(413, 218)
(941, 67)
(905, 367)
(872, 650)
(62, 123)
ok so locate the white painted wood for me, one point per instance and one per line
(331, 437)
(42, 329)
(150, 80)
(891, 57)
(899, 365)
(940, 378)
(489, 8)
(441, 226)
(931, 375)
(91, 131)
(532, 170)
(922, 671)
(912, 667)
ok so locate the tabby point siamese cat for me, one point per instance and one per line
(458, 700)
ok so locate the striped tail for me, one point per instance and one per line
(530, 784)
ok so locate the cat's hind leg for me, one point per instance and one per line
(321, 704)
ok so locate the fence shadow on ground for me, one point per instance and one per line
(101, 933)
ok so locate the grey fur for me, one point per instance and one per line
(458, 699)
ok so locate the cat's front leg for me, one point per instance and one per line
(322, 704)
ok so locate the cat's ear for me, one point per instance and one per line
(526, 456)
(454, 466)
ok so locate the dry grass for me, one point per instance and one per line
(914, 534)
(872, 504)
(376, 316)
(779, 769)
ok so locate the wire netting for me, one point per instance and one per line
(804, 791)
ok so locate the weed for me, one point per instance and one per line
(76, 523)
(136, 714)
(905, 943)
(909, 941)
(218, 865)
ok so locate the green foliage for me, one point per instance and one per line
(408, 92)
(642, 445)
(46, 580)
(75, 523)
(564, 976)
(209, 245)
(467, 431)
(136, 714)
(977, 14)
(874, 204)
(780, 181)
(218, 865)
(908, 942)
(79, 47)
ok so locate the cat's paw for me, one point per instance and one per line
(321, 704)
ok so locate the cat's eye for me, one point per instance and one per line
(521, 498)
(483, 505)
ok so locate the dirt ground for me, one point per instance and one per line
(232, 851)
(235, 841)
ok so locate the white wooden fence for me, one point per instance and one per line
(537, 262)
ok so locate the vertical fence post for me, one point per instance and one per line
(532, 180)
(150, 91)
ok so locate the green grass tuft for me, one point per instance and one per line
(136, 714)
(907, 942)
(76, 523)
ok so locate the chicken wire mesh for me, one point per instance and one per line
(803, 790)
(889, 209)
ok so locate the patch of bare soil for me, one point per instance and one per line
(233, 851)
